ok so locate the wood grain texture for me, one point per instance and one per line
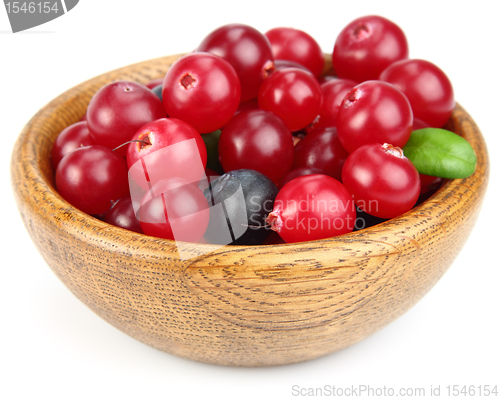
(239, 305)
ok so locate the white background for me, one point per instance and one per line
(52, 346)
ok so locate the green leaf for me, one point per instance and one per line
(438, 152)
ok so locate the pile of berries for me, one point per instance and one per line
(245, 136)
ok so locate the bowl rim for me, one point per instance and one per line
(65, 213)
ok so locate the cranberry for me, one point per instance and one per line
(122, 215)
(70, 138)
(312, 207)
(427, 87)
(419, 124)
(374, 112)
(383, 182)
(301, 171)
(91, 178)
(118, 110)
(247, 50)
(366, 46)
(258, 140)
(167, 148)
(203, 90)
(292, 94)
(248, 105)
(174, 209)
(298, 46)
(282, 64)
(333, 93)
(321, 149)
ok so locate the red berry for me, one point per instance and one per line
(168, 148)
(258, 140)
(366, 46)
(247, 50)
(203, 90)
(374, 112)
(301, 171)
(427, 87)
(174, 209)
(298, 46)
(118, 110)
(321, 149)
(292, 94)
(282, 64)
(91, 178)
(122, 215)
(383, 182)
(312, 207)
(70, 138)
(333, 93)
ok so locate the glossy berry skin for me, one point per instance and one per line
(334, 92)
(118, 110)
(298, 46)
(366, 46)
(321, 149)
(419, 124)
(91, 178)
(292, 94)
(282, 64)
(203, 90)
(258, 140)
(374, 112)
(312, 207)
(122, 215)
(74, 136)
(296, 172)
(427, 87)
(174, 209)
(258, 194)
(153, 140)
(247, 50)
(383, 182)
(248, 105)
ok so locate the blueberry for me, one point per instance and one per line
(256, 199)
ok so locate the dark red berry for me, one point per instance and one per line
(122, 215)
(374, 112)
(427, 88)
(312, 207)
(383, 182)
(321, 149)
(258, 140)
(366, 46)
(91, 178)
(203, 90)
(298, 46)
(74, 136)
(247, 50)
(292, 94)
(118, 110)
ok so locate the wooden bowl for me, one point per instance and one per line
(239, 305)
